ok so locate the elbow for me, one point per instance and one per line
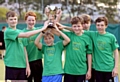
(35, 43)
(68, 40)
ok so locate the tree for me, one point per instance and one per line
(3, 12)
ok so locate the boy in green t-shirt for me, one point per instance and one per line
(86, 21)
(52, 70)
(34, 55)
(105, 45)
(75, 68)
(16, 61)
(86, 26)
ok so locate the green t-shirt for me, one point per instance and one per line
(32, 50)
(53, 59)
(103, 48)
(14, 56)
(76, 51)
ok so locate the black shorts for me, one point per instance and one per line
(104, 76)
(12, 73)
(36, 71)
(74, 78)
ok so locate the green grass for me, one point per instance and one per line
(2, 69)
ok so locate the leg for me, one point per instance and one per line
(69, 78)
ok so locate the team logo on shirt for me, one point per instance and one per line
(101, 45)
(20, 40)
(31, 39)
(50, 51)
(76, 45)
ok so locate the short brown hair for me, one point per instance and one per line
(48, 33)
(99, 19)
(76, 20)
(86, 18)
(30, 13)
(11, 14)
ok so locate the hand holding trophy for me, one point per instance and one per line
(53, 13)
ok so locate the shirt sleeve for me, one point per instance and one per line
(115, 44)
(89, 46)
(12, 34)
(60, 45)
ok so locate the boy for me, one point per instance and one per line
(2, 46)
(105, 44)
(16, 62)
(52, 71)
(86, 22)
(34, 56)
(86, 26)
(75, 67)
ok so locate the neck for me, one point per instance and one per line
(29, 28)
(102, 32)
(12, 27)
(80, 33)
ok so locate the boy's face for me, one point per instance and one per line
(12, 21)
(77, 28)
(101, 27)
(86, 25)
(30, 21)
(49, 40)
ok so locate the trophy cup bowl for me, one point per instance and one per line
(51, 15)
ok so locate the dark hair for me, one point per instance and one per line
(11, 14)
(76, 20)
(99, 19)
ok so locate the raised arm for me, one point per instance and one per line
(115, 70)
(63, 27)
(58, 15)
(66, 38)
(37, 41)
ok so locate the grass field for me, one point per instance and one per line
(2, 69)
